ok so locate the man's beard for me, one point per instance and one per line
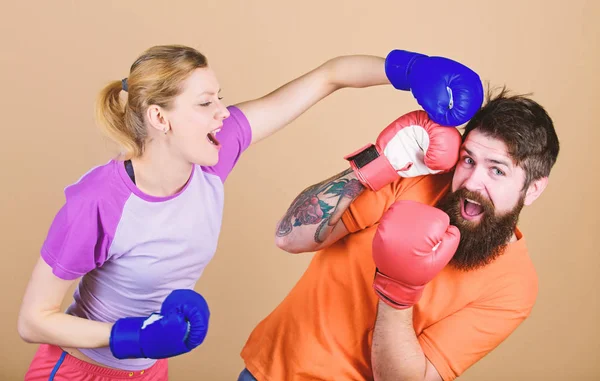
(481, 242)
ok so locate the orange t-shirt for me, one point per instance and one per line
(323, 329)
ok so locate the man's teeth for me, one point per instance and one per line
(473, 202)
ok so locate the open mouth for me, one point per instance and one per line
(212, 137)
(471, 208)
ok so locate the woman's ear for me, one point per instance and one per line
(157, 118)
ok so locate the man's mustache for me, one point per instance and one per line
(486, 204)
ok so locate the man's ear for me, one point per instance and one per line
(157, 118)
(535, 189)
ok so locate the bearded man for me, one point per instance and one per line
(420, 269)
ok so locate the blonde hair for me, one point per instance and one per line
(154, 79)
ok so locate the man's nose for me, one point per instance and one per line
(475, 182)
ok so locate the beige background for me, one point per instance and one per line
(56, 55)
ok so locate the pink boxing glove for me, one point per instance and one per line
(412, 145)
(412, 244)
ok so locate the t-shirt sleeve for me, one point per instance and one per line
(458, 341)
(368, 208)
(75, 243)
(235, 137)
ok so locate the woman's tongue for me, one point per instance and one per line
(473, 209)
(212, 138)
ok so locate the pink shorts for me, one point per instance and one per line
(51, 363)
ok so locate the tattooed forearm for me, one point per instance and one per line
(350, 191)
(321, 232)
(322, 204)
(303, 199)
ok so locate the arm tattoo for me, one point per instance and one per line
(319, 230)
(310, 206)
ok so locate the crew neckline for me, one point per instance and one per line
(141, 194)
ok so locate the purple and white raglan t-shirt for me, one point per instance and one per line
(132, 249)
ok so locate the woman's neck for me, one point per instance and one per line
(159, 173)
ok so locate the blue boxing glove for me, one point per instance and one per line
(195, 309)
(180, 326)
(448, 91)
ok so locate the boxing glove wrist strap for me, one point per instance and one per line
(397, 67)
(395, 293)
(372, 168)
(125, 338)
